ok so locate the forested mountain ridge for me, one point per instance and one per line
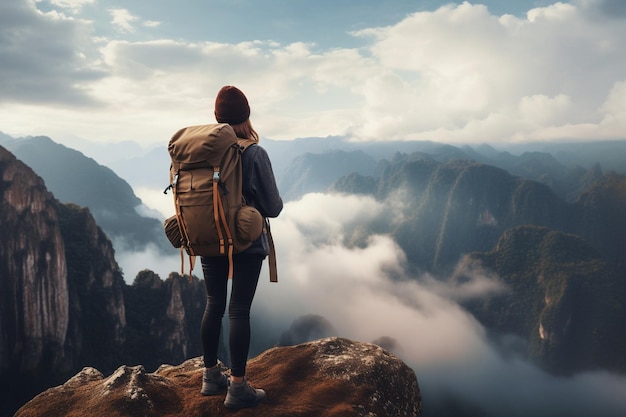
(562, 262)
(563, 298)
(74, 178)
(602, 221)
(460, 206)
(566, 168)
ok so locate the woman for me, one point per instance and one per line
(259, 190)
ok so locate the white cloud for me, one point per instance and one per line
(614, 109)
(558, 11)
(151, 23)
(41, 63)
(479, 77)
(146, 211)
(470, 281)
(75, 6)
(320, 216)
(539, 110)
(456, 74)
(123, 20)
(155, 200)
(151, 258)
(353, 288)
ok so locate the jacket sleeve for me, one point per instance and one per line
(261, 190)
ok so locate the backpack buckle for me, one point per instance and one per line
(172, 185)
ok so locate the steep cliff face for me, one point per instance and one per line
(326, 378)
(34, 303)
(461, 206)
(97, 325)
(61, 291)
(163, 319)
(564, 298)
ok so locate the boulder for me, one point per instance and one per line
(323, 378)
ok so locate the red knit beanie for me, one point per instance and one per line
(231, 106)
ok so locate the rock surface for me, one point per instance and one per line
(34, 309)
(61, 300)
(328, 377)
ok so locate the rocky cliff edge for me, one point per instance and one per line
(328, 377)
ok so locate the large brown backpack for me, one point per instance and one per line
(212, 218)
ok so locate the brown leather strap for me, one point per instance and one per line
(272, 255)
(185, 234)
(182, 261)
(245, 143)
(219, 206)
(217, 203)
(192, 263)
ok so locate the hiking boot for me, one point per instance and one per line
(213, 381)
(243, 395)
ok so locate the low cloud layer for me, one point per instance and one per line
(457, 74)
(364, 293)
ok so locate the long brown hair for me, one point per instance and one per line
(245, 130)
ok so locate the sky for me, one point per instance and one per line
(108, 71)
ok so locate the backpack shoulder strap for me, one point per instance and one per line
(245, 143)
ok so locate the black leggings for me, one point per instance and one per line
(246, 277)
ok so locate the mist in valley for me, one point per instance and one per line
(336, 280)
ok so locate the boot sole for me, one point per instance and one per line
(240, 406)
(213, 392)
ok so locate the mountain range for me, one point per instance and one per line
(549, 228)
(74, 178)
(299, 161)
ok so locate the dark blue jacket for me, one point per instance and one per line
(260, 191)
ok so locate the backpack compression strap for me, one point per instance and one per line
(217, 204)
(220, 217)
(184, 233)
